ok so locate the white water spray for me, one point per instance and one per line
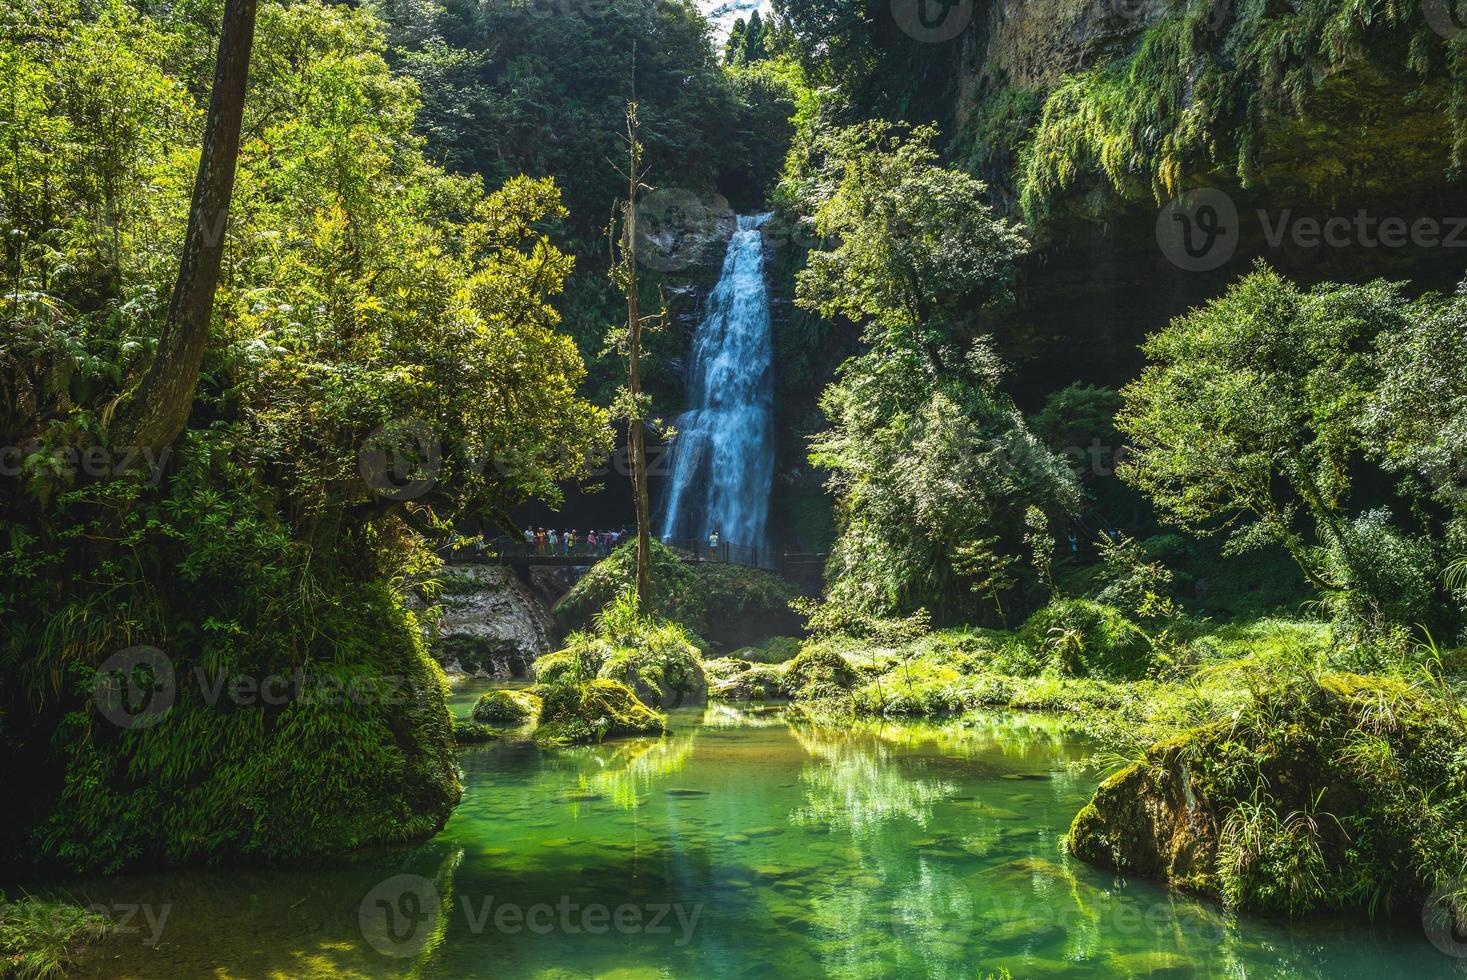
(723, 457)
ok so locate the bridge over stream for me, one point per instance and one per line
(803, 568)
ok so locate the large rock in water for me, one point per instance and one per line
(1325, 793)
(493, 625)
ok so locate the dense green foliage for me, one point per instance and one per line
(363, 289)
(520, 87)
(1201, 89)
(932, 466)
(1325, 791)
(1260, 414)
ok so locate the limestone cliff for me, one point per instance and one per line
(491, 624)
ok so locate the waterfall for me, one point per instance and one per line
(722, 461)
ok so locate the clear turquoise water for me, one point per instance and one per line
(742, 845)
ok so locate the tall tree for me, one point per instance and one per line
(154, 411)
(755, 48)
(624, 273)
(733, 47)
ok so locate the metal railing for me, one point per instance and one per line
(509, 551)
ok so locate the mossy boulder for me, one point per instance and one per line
(663, 671)
(733, 679)
(576, 714)
(506, 708)
(819, 673)
(1088, 639)
(585, 656)
(361, 754)
(724, 669)
(1329, 793)
(775, 650)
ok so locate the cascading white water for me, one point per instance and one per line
(722, 463)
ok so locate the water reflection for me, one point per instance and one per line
(852, 785)
(868, 850)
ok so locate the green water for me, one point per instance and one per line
(742, 845)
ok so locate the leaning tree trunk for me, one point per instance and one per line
(154, 412)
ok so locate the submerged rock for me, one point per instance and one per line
(1154, 964)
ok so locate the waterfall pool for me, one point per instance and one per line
(744, 844)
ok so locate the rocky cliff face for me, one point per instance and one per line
(1343, 135)
(492, 624)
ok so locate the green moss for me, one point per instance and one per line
(506, 708)
(664, 669)
(756, 682)
(580, 660)
(818, 673)
(360, 752)
(775, 650)
(576, 714)
(1324, 792)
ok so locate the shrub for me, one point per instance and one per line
(1088, 639)
(818, 672)
(655, 658)
(473, 733)
(1387, 580)
(40, 939)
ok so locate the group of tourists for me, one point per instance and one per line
(552, 542)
